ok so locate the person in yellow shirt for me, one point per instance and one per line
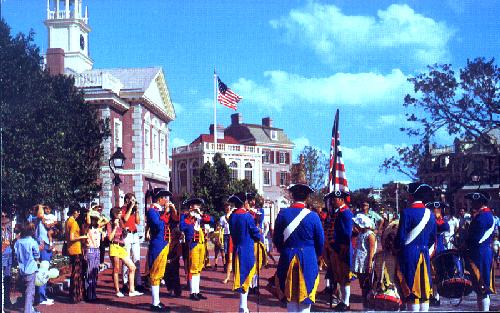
(74, 244)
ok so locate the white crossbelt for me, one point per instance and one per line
(419, 228)
(487, 233)
(293, 224)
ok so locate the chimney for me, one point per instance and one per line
(267, 121)
(55, 61)
(236, 119)
(220, 131)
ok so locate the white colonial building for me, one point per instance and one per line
(136, 102)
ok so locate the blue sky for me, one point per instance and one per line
(295, 61)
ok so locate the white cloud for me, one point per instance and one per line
(206, 103)
(179, 108)
(300, 143)
(178, 142)
(397, 33)
(354, 89)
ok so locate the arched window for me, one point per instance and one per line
(195, 167)
(182, 175)
(233, 170)
(249, 172)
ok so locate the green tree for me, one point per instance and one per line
(51, 138)
(358, 197)
(315, 167)
(466, 106)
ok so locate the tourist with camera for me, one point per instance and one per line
(131, 218)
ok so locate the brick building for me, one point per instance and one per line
(136, 102)
(261, 153)
(464, 167)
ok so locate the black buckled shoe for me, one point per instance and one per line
(433, 302)
(160, 308)
(194, 297)
(200, 296)
(341, 307)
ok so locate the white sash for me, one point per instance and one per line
(293, 224)
(487, 233)
(431, 249)
(419, 228)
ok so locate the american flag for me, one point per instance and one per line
(226, 96)
(337, 178)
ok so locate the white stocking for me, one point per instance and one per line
(195, 284)
(414, 307)
(346, 293)
(243, 301)
(424, 307)
(304, 308)
(485, 304)
(292, 307)
(155, 293)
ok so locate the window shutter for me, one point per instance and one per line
(271, 154)
(287, 178)
(277, 157)
(287, 158)
(278, 179)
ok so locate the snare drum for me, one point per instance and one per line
(451, 280)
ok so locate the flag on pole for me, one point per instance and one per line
(226, 96)
(337, 178)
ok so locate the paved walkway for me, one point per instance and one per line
(220, 298)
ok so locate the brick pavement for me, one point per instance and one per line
(220, 298)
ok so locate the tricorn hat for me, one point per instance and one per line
(250, 196)
(478, 196)
(418, 188)
(342, 194)
(189, 202)
(160, 192)
(300, 190)
(436, 205)
(238, 199)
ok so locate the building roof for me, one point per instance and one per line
(262, 134)
(134, 78)
(210, 138)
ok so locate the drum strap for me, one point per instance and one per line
(419, 228)
(295, 223)
(487, 233)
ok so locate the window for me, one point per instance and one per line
(233, 170)
(282, 156)
(147, 142)
(162, 148)
(117, 138)
(249, 172)
(274, 135)
(194, 168)
(283, 178)
(182, 175)
(267, 178)
(155, 145)
(266, 157)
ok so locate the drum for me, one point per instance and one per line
(451, 280)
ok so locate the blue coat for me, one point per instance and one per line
(480, 255)
(158, 231)
(442, 226)
(302, 248)
(342, 233)
(244, 235)
(416, 253)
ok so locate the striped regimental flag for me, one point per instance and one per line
(226, 96)
(337, 178)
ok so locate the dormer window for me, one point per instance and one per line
(274, 135)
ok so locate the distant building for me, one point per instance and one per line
(261, 153)
(464, 167)
(136, 102)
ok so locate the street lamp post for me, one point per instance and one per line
(117, 161)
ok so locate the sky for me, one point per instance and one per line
(294, 61)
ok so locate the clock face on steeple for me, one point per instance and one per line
(82, 42)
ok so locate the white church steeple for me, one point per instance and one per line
(68, 29)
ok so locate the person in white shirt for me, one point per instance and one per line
(454, 223)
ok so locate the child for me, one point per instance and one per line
(50, 221)
(217, 238)
(366, 245)
(384, 294)
(27, 251)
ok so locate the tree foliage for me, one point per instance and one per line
(315, 167)
(464, 105)
(358, 197)
(213, 184)
(51, 147)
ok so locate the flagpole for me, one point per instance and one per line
(215, 112)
